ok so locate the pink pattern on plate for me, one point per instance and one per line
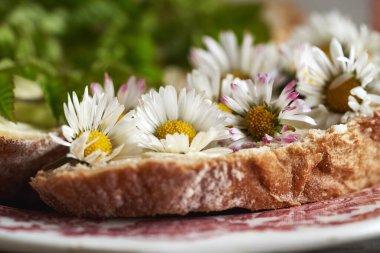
(351, 208)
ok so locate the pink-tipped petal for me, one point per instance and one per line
(290, 138)
(248, 145)
(107, 80)
(96, 88)
(123, 88)
(235, 134)
(131, 80)
(108, 85)
(262, 77)
(290, 86)
(224, 99)
(235, 148)
(293, 95)
(234, 86)
(141, 84)
(285, 128)
(194, 56)
(232, 131)
(267, 139)
(289, 108)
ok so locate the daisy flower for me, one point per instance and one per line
(290, 56)
(322, 27)
(368, 41)
(260, 118)
(94, 132)
(128, 93)
(227, 61)
(337, 88)
(211, 86)
(182, 124)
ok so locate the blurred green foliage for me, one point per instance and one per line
(6, 98)
(64, 45)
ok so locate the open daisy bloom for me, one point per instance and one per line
(337, 88)
(94, 132)
(182, 124)
(226, 62)
(128, 93)
(259, 118)
(368, 41)
(290, 56)
(211, 86)
(322, 27)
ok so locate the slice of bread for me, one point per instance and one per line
(23, 151)
(322, 165)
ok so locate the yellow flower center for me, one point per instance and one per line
(239, 74)
(236, 73)
(337, 97)
(260, 121)
(102, 142)
(175, 126)
(224, 108)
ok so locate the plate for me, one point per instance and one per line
(346, 219)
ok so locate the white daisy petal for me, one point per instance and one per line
(194, 114)
(345, 74)
(95, 133)
(322, 27)
(245, 52)
(217, 51)
(226, 61)
(233, 105)
(260, 120)
(108, 86)
(128, 93)
(230, 45)
(58, 140)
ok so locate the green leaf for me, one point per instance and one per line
(53, 94)
(6, 98)
(6, 64)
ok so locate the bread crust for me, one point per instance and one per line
(323, 165)
(21, 157)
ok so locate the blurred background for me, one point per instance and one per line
(49, 47)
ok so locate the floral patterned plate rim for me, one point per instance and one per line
(352, 217)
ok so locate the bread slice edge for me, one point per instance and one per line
(323, 165)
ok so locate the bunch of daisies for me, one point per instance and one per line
(238, 95)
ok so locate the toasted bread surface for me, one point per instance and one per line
(21, 156)
(322, 165)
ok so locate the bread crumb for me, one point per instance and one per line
(339, 129)
(189, 193)
(238, 174)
